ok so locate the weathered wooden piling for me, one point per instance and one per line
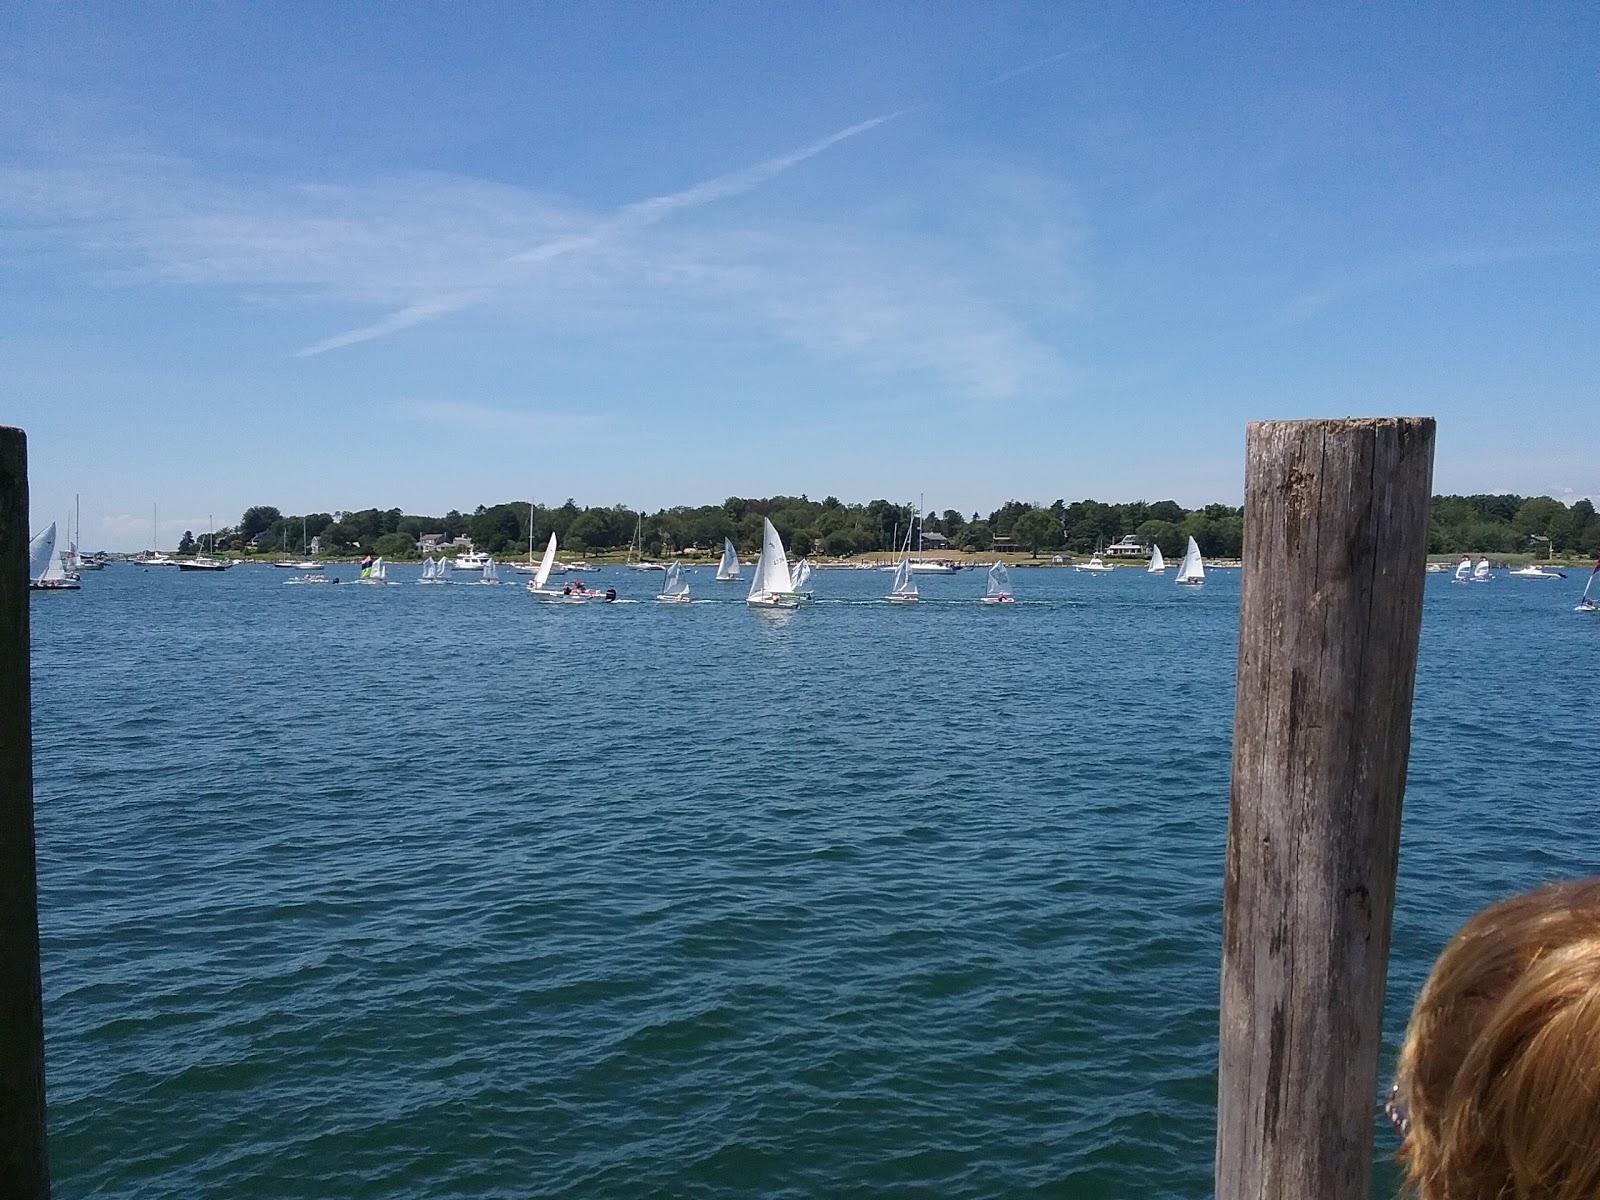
(24, 1172)
(1336, 522)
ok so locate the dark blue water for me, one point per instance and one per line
(430, 892)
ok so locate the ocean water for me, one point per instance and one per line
(439, 892)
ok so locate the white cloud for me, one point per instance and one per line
(955, 303)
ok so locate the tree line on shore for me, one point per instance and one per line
(1496, 524)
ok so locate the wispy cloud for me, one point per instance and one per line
(953, 280)
(638, 215)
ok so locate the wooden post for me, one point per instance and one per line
(24, 1171)
(1336, 526)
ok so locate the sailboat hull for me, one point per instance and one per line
(999, 599)
(902, 599)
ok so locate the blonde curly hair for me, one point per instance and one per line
(1499, 1076)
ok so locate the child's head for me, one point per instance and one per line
(1499, 1076)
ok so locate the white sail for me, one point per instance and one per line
(54, 572)
(542, 576)
(728, 568)
(1193, 568)
(772, 576)
(1481, 571)
(41, 551)
(904, 585)
(445, 567)
(377, 569)
(491, 573)
(1590, 584)
(802, 573)
(999, 580)
(1157, 563)
(1464, 568)
(676, 584)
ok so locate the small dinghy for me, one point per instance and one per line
(1158, 565)
(1463, 570)
(1480, 573)
(1192, 570)
(675, 590)
(772, 586)
(1588, 604)
(999, 586)
(904, 588)
(728, 568)
(45, 572)
(375, 573)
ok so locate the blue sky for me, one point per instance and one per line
(327, 256)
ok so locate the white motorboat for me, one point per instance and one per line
(998, 588)
(1533, 571)
(932, 567)
(471, 561)
(1095, 566)
(202, 562)
(1192, 570)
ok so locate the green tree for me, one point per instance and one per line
(258, 519)
(394, 545)
(186, 543)
(1037, 530)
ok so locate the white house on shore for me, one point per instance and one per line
(1128, 546)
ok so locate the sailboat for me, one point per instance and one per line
(1464, 569)
(772, 586)
(205, 562)
(1193, 568)
(45, 572)
(728, 568)
(676, 588)
(1158, 565)
(541, 575)
(432, 571)
(1587, 604)
(999, 586)
(802, 576)
(904, 588)
(1480, 573)
(637, 547)
(490, 572)
(153, 557)
(376, 573)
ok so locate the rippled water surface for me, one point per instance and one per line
(431, 892)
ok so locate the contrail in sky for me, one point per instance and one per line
(638, 215)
